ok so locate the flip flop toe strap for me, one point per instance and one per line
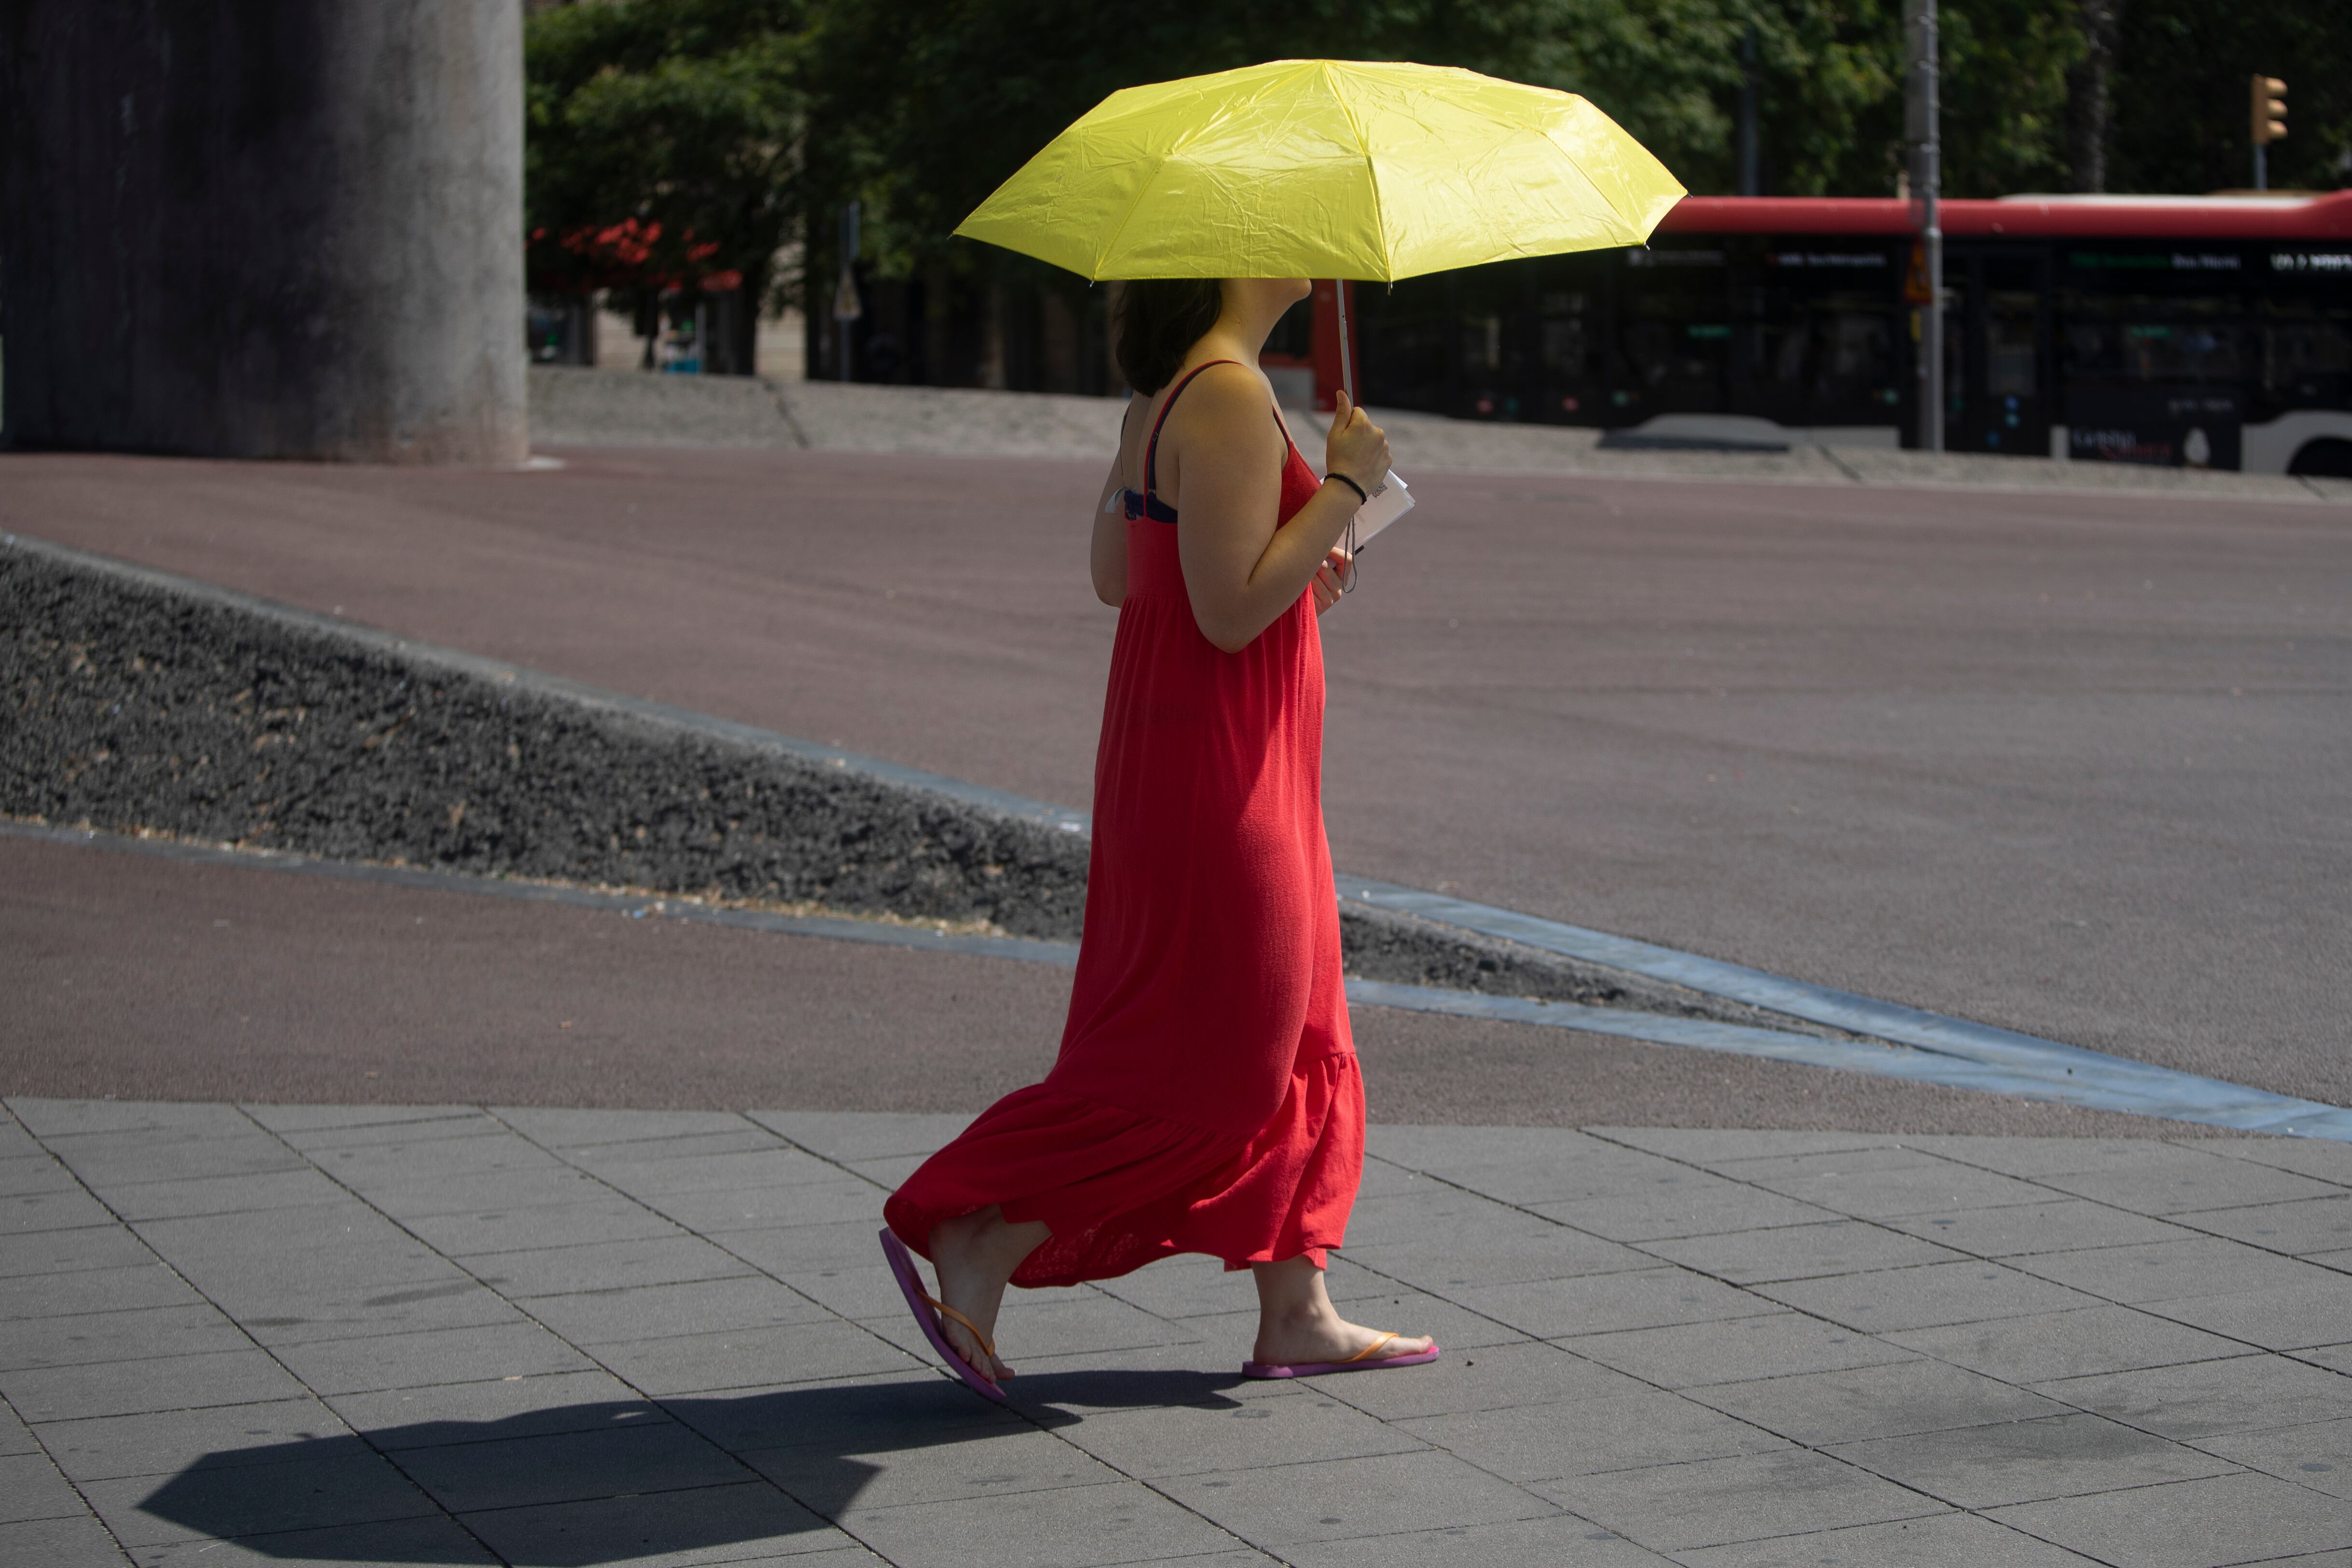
(1361, 1354)
(986, 1343)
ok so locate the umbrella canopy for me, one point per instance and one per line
(1326, 169)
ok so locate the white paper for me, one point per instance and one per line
(1389, 500)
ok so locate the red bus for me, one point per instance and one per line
(2202, 330)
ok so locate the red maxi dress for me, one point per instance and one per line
(1206, 1098)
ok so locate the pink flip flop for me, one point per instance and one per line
(1356, 1363)
(928, 1311)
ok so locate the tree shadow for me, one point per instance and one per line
(612, 1480)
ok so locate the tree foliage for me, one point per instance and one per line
(742, 123)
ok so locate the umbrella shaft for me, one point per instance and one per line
(1339, 298)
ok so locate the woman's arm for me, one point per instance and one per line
(1240, 570)
(1106, 554)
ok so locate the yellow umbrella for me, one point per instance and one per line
(1326, 169)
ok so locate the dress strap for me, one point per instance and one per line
(1151, 451)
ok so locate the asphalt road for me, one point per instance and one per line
(2075, 765)
(150, 979)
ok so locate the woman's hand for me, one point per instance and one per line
(1356, 446)
(1330, 579)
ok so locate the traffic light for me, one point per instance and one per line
(2269, 109)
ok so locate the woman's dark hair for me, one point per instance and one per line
(1160, 320)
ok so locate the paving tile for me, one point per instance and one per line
(1528, 1443)
(16, 1437)
(426, 1194)
(889, 1173)
(24, 1174)
(562, 1129)
(45, 1118)
(1944, 1541)
(849, 1244)
(2065, 1224)
(314, 1118)
(983, 1465)
(80, 1541)
(1185, 1286)
(2166, 1179)
(2240, 1518)
(435, 1539)
(744, 1522)
(1714, 1146)
(1708, 1502)
(1188, 1439)
(906, 1409)
(106, 1161)
(644, 1177)
(746, 1358)
(1639, 1216)
(145, 1283)
(2281, 1317)
(15, 1141)
(1429, 1146)
(530, 1226)
(1602, 1304)
(2339, 1261)
(2211, 1397)
(1529, 1372)
(2026, 1461)
(2048, 1345)
(38, 1211)
(2166, 1271)
(255, 1499)
(2308, 1225)
(1506, 1253)
(1818, 1407)
(108, 1246)
(2318, 1454)
(1066, 1527)
(419, 1130)
(31, 1488)
(822, 1201)
(648, 1312)
(1692, 1354)
(1894, 1298)
(866, 1292)
(423, 1360)
(116, 1336)
(1560, 1538)
(1594, 1171)
(508, 1406)
(2323, 1158)
(1423, 1212)
(1339, 1500)
(2036, 1157)
(485, 1153)
(1801, 1252)
(567, 1467)
(863, 1135)
(300, 1187)
(130, 1388)
(170, 1441)
(609, 1265)
(1885, 1183)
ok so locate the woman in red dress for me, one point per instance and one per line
(1207, 1097)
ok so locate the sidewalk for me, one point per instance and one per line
(444, 1336)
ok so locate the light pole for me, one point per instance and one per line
(1923, 134)
(847, 306)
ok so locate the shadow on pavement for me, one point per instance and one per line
(612, 1480)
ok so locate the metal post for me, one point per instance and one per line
(2262, 167)
(1751, 179)
(1923, 131)
(846, 306)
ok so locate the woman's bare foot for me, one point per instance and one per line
(975, 1255)
(1297, 1322)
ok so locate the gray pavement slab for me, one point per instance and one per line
(1753, 1378)
(2317, 1225)
(2238, 1518)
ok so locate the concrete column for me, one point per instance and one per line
(263, 228)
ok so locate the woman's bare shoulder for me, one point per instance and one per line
(1224, 392)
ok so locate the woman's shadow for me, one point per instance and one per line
(612, 1480)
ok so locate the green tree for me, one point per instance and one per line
(663, 146)
(2180, 94)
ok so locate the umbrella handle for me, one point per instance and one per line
(1339, 298)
